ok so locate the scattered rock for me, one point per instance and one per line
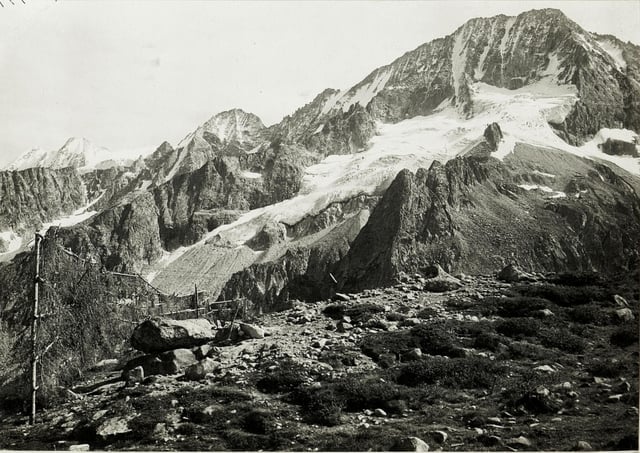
(113, 427)
(625, 315)
(199, 371)
(134, 375)
(80, 447)
(181, 358)
(582, 445)
(342, 297)
(252, 331)
(521, 442)
(620, 301)
(489, 441)
(343, 326)
(106, 365)
(379, 413)
(159, 335)
(203, 351)
(410, 444)
(545, 369)
(412, 354)
(545, 313)
(439, 437)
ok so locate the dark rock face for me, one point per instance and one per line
(470, 217)
(619, 148)
(493, 135)
(36, 195)
(122, 237)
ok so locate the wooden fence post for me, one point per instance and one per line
(34, 333)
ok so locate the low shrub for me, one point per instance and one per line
(566, 296)
(625, 336)
(286, 378)
(577, 279)
(488, 341)
(376, 344)
(589, 314)
(606, 368)
(518, 327)
(456, 373)
(258, 422)
(563, 339)
(358, 313)
(437, 339)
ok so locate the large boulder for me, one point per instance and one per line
(410, 444)
(440, 281)
(159, 335)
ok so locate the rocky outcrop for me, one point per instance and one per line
(303, 271)
(469, 216)
(619, 148)
(36, 195)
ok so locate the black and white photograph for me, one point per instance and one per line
(319, 225)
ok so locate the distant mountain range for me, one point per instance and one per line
(512, 139)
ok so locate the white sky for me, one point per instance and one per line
(129, 75)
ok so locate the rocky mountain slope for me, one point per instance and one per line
(486, 367)
(223, 208)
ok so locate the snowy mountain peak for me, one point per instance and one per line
(231, 125)
(77, 152)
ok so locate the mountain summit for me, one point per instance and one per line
(77, 152)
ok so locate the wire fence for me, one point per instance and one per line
(83, 313)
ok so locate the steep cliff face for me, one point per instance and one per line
(475, 214)
(28, 198)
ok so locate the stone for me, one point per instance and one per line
(545, 313)
(319, 344)
(182, 358)
(379, 413)
(252, 331)
(440, 281)
(199, 371)
(489, 441)
(620, 301)
(80, 447)
(106, 365)
(439, 436)
(203, 351)
(545, 369)
(625, 315)
(410, 444)
(134, 375)
(160, 431)
(386, 360)
(113, 427)
(520, 441)
(343, 326)
(159, 335)
(411, 355)
(582, 445)
(342, 297)
(512, 274)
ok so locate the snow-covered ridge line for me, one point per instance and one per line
(77, 152)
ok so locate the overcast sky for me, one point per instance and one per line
(129, 75)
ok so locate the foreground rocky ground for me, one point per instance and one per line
(546, 364)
